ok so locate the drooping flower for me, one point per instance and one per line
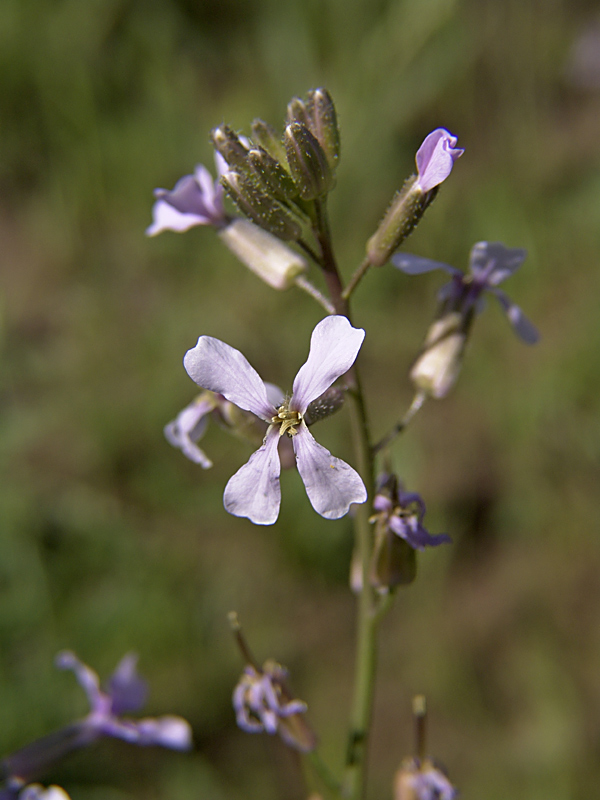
(262, 703)
(125, 692)
(195, 200)
(254, 491)
(437, 367)
(435, 158)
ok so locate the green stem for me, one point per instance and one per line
(367, 611)
(356, 278)
(322, 770)
(304, 284)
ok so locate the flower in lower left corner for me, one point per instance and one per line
(254, 491)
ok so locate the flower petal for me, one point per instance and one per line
(167, 218)
(522, 326)
(415, 265)
(435, 158)
(188, 428)
(216, 366)
(167, 731)
(254, 490)
(415, 534)
(331, 484)
(498, 261)
(86, 677)
(334, 345)
(127, 690)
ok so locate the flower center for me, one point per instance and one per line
(287, 420)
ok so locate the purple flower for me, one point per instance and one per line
(261, 703)
(126, 691)
(33, 791)
(490, 263)
(402, 513)
(435, 158)
(422, 781)
(195, 200)
(254, 491)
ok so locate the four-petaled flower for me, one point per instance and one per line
(490, 263)
(402, 513)
(254, 491)
(262, 703)
(435, 158)
(195, 200)
(125, 692)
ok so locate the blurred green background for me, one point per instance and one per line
(111, 541)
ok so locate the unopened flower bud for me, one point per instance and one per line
(325, 405)
(264, 254)
(267, 137)
(307, 161)
(228, 144)
(260, 207)
(437, 367)
(271, 175)
(297, 112)
(402, 216)
(323, 124)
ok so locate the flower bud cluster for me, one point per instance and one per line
(272, 179)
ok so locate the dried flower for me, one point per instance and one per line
(422, 781)
(254, 491)
(402, 512)
(262, 703)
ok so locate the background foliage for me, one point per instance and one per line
(111, 541)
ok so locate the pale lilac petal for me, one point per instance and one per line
(435, 158)
(86, 677)
(334, 345)
(415, 265)
(167, 731)
(275, 394)
(254, 490)
(522, 326)
(188, 428)
(382, 503)
(495, 260)
(331, 484)
(216, 366)
(167, 218)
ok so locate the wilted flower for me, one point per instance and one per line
(437, 367)
(262, 703)
(125, 692)
(403, 512)
(435, 158)
(422, 781)
(195, 200)
(254, 491)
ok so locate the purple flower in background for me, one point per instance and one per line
(254, 491)
(262, 703)
(422, 781)
(490, 263)
(195, 200)
(33, 791)
(125, 692)
(402, 513)
(435, 158)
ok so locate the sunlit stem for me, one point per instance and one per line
(304, 284)
(417, 403)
